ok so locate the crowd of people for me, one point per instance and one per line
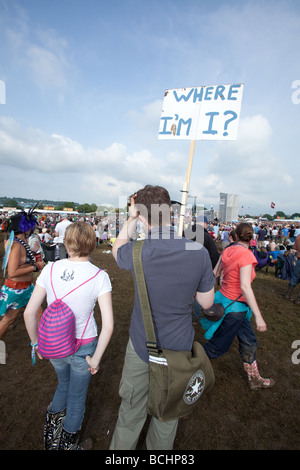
(182, 280)
(50, 230)
(274, 244)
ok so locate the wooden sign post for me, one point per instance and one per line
(186, 188)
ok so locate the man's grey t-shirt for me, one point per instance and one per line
(175, 268)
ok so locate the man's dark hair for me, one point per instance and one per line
(153, 203)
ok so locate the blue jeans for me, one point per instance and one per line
(73, 381)
(295, 279)
(234, 324)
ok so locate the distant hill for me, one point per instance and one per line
(23, 202)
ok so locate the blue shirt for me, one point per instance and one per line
(175, 268)
(285, 232)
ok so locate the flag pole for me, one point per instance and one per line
(186, 186)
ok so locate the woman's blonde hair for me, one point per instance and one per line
(80, 239)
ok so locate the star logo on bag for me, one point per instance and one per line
(194, 388)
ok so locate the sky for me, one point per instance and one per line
(82, 84)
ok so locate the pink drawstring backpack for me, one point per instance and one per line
(57, 327)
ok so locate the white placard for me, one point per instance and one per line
(201, 113)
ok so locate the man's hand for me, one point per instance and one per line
(133, 212)
(128, 228)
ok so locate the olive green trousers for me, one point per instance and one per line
(132, 412)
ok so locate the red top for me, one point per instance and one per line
(233, 258)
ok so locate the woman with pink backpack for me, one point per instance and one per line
(82, 283)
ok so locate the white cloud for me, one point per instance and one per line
(99, 173)
(249, 166)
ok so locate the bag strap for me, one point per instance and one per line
(85, 327)
(143, 296)
(220, 260)
(233, 301)
(73, 291)
(74, 287)
(51, 281)
(217, 269)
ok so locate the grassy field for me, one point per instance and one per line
(230, 416)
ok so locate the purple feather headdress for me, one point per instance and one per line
(23, 222)
(27, 223)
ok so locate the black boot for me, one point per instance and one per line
(69, 441)
(53, 428)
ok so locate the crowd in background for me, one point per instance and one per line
(267, 234)
(272, 243)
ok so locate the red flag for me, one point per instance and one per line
(272, 205)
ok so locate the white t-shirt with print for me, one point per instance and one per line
(67, 275)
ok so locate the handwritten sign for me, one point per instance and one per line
(201, 113)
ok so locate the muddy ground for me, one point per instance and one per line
(230, 416)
